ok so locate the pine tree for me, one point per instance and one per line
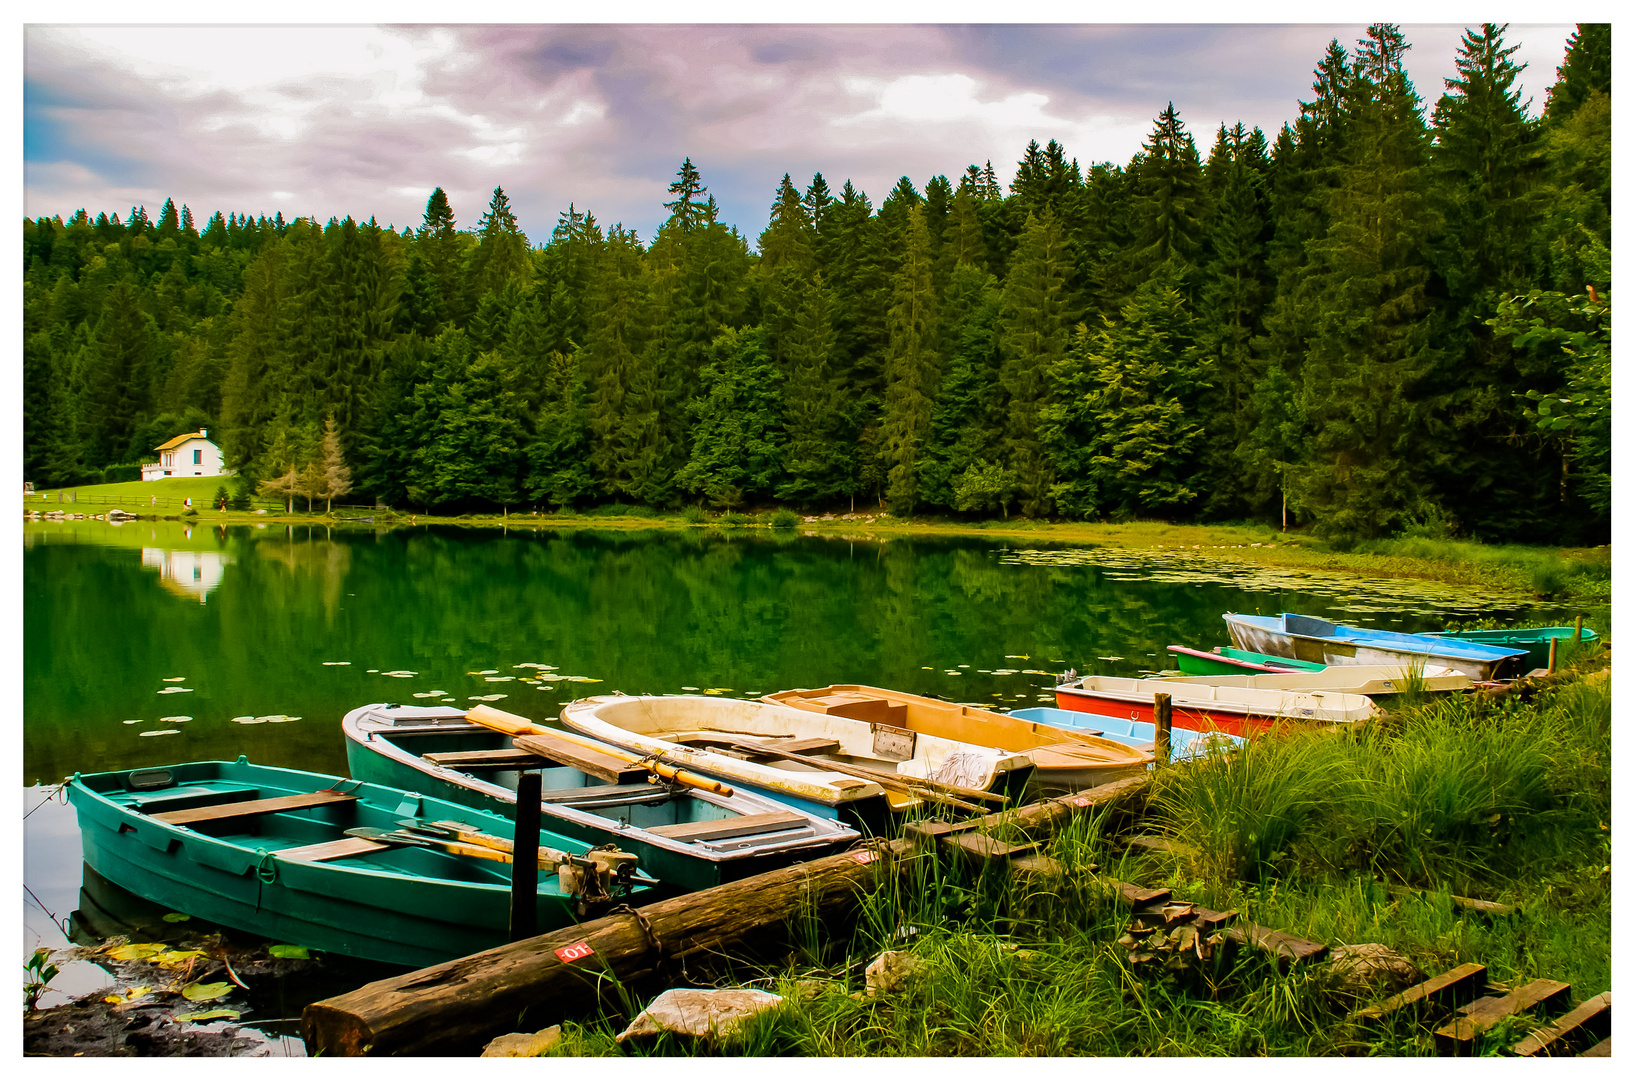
(1169, 194)
(817, 459)
(1363, 383)
(912, 368)
(736, 431)
(438, 245)
(1036, 315)
(500, 258)
(337, 478)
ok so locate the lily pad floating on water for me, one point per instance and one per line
(337, 663)
(283, 719)
(134, 951)
(132, 721)
(175, 678)
(289, 952)
(500, 678)
(486, 697)
(490, 671)
(247, 720)
(165, 731)
(432, 693)
(177, 690)
(175, 916)
(689, 688)
(207, 1014)
(174, 719)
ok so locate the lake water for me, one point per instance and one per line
(156, 642)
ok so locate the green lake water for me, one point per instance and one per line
(153, 642)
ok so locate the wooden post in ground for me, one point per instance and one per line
(525, 858)
(538, 981)
(1163, 710)
(1577, 633)
(1554, 645)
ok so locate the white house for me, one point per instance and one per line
(192, 454)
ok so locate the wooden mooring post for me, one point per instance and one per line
(525, 858)
(454, 1007)
(1163, 713)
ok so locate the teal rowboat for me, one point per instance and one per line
(1225, 660)
(265, 850)
(1534, 639)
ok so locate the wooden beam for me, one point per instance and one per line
(1287, 948)
(602, 766)
(1458, 1037)
(1586, 1024)
(254, 808)
(1599, 1049)
(459, 1005)
(1482, 907)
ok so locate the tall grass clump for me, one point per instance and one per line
(1446, 789)
(1241, 809)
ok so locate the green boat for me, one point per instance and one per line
(337, 865)
(1225, 660)
(1534, 639)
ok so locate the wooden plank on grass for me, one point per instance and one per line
(1463, 983)
(614, 770)
(1287, 948)
(1588, 1023)
(747, 825)
(1457, 1038)
(254, 808)
(1599, 1049)
(981, 848)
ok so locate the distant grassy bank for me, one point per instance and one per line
(1581, 575)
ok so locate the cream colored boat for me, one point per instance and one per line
(865, 770)
(1066, 760)
(1368, 679)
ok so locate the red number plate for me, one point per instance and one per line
(576, 951)
(863, 856)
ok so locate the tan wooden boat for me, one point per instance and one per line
(1066, 760)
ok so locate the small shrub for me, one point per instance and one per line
(734, 518)
(692, 515)
(785, 519)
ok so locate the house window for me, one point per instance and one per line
(170, 459)
(198, 457)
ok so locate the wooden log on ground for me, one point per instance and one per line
(1480, 907)
(461, 1004)
(1588, 1023)
(1599, 1049)
(1462, 984)
(1287, 948)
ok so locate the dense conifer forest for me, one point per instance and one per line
(1389, 317)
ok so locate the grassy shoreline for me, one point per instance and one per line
(1581, 575)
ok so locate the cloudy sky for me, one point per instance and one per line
(365, 119)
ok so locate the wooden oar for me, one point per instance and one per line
(549, 858)
(513, 725)
(475, 851)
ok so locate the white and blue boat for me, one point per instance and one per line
(1183, 742)
(1318, 641)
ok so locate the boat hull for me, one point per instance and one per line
(372, 754)
(1318, 641)
(1183, 742)
(1234, 710)
(412, 907)
(1227, 661)
(1535, 640)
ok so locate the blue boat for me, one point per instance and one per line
(1183, 742)
(1318, 641)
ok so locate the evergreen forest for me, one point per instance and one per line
(1390, 317)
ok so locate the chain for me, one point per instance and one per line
(652, 936)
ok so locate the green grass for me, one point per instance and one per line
(137, 493)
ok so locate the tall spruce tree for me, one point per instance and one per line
(912, 368)
(1036, 314)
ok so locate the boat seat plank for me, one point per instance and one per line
(599, 792)
(810, 746)
(614, 770)
(254, 807)
(332, 849)
(747, 825)
(488, 759)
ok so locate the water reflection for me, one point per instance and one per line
(187, 574)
